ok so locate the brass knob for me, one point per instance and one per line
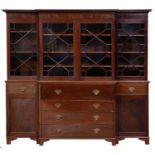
(57, 105)
(58, 91)
(96, 117)
(58, 130)
(96, 130)
(23, 89)
(58, 116)
(96, 92)
(96, 106)
(131, 89)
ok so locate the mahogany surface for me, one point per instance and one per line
(90, 83)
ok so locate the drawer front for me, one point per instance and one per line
(77, 131)
(132, 88)
(25, 88)
(77, 106)
(71, 91)
(49, 117)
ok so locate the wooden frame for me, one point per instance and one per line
(116, 89)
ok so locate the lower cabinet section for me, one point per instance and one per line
(77, 131)
(21, 117)
(132, 115)
(21, 110)
(57, 111)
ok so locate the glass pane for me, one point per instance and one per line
(96, 49)
(23, 48)
(57, 49)
(130, 56)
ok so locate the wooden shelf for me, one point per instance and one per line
(23, 52)
(57, 66)
(82, 66)
(96, 52)
(131, 35)
(123, 44)
(48, 34)
(106, 35)
(128, 52)
(82, 34)
(96, 66)
(130, 66)
(28, 31)
(58, 52)
(89, 52)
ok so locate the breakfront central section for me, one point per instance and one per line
(77, 49)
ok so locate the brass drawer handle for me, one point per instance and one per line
(58, 116)
(58, 91)
(131, 89)
(96, 106)
(57, 105)
(96, 117)
(96, 92)
(58, 130)
(96, 130)
(23, 89)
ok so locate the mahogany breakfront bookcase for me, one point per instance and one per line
(77, 74)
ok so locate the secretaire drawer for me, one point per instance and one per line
(132, 88)
(78, 106)
(76, 91)
(77, 131)
(25, 88)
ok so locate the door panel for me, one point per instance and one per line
(96, 47)
(132, 115)
(22, 114)
(23, 49)
(57, 49)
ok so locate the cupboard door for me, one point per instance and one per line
(22, 115)
(96, 49)
(57, 49)
(23, 49)
(131, 48)
(132, 115)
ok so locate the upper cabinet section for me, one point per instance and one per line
(77, 44)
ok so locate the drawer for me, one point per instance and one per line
(76, 91)
(77, 131)
(49, 117)
(25, 88)
(132, 88)
(77, 106)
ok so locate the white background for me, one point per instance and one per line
(76, 147)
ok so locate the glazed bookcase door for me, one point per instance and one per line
(23, 49)
(57, 49)
(96, 49)
(131, 50)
